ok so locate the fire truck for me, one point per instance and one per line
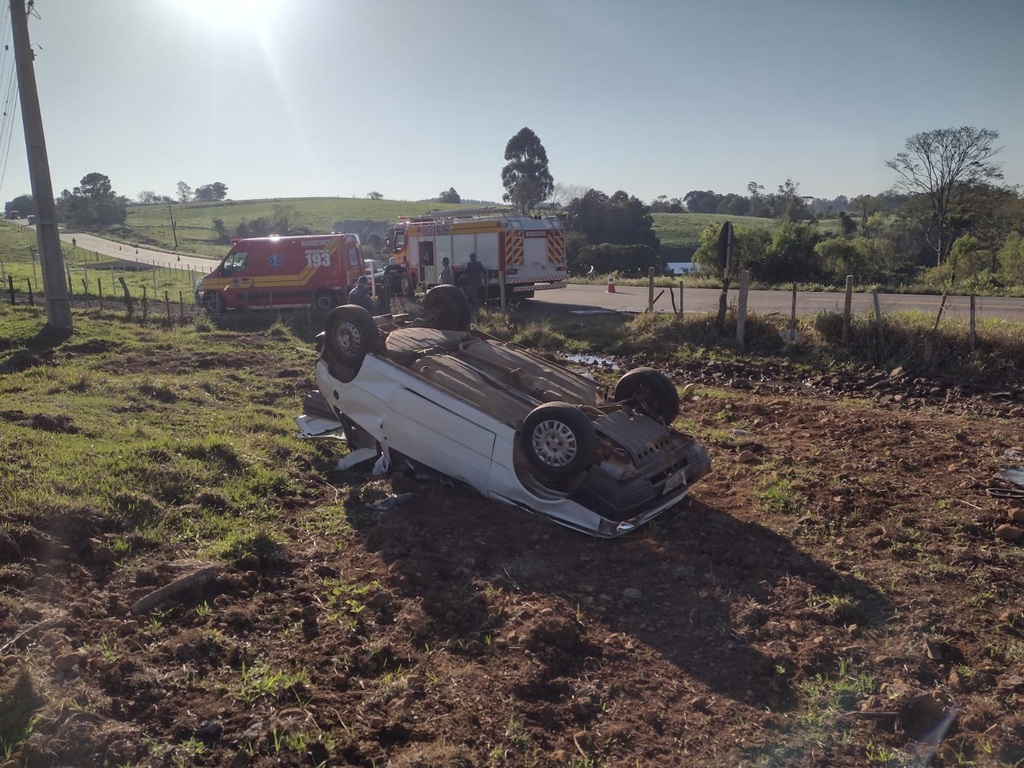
(304, 270)
(519, 254)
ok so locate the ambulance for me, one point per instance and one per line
(295, 271)
(519, 254)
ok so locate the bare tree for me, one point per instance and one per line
(563, 194)
(935, 165)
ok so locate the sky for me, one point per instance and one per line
(340, 98)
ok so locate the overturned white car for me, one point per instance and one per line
(515, 426)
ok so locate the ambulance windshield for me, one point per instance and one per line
(234, 262)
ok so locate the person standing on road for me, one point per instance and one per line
(446, 278)
(473, 278)
(396, 277)
(360, 294)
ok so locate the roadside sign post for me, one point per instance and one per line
(725, 249)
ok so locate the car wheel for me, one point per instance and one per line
(649, 391)
(558, 439)
(446, 308)
(324, 301)
(214, 303)
(351, 335)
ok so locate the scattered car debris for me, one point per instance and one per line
(390, 502)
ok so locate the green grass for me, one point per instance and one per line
(683, 229)
(91, 274)
(175, 433)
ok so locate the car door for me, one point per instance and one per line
(438, 432)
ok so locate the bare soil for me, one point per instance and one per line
(841, 590)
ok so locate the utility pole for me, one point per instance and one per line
(174, 227)
(51, 257)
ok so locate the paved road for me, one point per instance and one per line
(634, 299)
(114, 250)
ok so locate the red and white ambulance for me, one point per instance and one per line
(302, 270)
(519, 254)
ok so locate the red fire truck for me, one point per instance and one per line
(519, 254)
(303, 270)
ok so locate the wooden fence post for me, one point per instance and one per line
(847, 310)
(129, 304)
(792, 316)
(741, 310)
(145, 304)
(181, 306)
(31, 297)
(942, 306)
(878, 315)
(10, 287)
(650, 290)
(167, 303)
(974, 337)
(680, 298)
(99, 286)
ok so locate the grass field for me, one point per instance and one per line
(683, 229)
(90, 273)
(151, 224)
(832, 591)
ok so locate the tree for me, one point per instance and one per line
(749, 246)
(374, 196)
(93, 203)
(564, 194)
(734, 205)
(184, 192)
(935, 164)
(451, 196)
(789, 205)
(662, 204)
(147, 197)
(702, 201)
(846, 223)
(23, 204)
(526, 177)
(1011, 258)
(209, 193)
(757, 206)
(620, 219)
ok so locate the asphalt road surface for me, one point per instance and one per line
(701, 300)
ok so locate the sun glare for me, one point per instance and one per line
(255, 17)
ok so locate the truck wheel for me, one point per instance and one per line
(214, 303)
(324, 301)
(558, 439)
(351, 335)
(650, 392)
(446, 308)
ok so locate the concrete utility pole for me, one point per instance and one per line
(58, 303)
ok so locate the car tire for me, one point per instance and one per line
(558, 439)
(649, 391)
(351, 335)
(323, 301)
(214, 303)
(446, 308)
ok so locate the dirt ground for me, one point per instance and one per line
(841, 590)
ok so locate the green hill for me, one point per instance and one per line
(682, 230)
(151, 224)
